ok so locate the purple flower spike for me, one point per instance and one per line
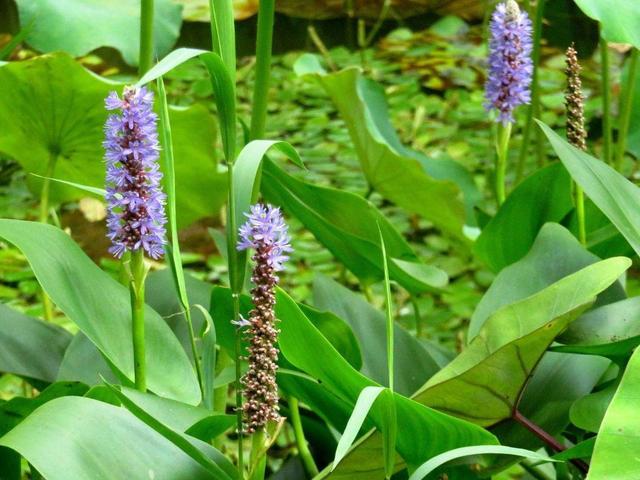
(510, 65)
(265, 232)
(135, 202)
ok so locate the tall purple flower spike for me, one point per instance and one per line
(265, 232)
(510, 65)
(135, 201)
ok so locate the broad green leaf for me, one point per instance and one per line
(617, 197)
(612, 330)
(80, 26)
(361, 409)
(175, 415)
(302, 344)
(62, 439)
(100, 306)
(345, 223)
(30, 348)
(496, 365)
(615, 453)
(84, 363)
(14, 411)
(439, 460)
(619, 19)
(430, 188)
(413, 364)
(221, 82)
(587, 412)
(218, 466)
(160, 295)
(67, 128)
(555, 254)
(543, 197)
(558, 381)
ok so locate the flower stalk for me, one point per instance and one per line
(606, 101)
(626, 103)
(266, 233)
(576, 133)
(263, 68)
(135, 202)
(509, 79)
(146, 36)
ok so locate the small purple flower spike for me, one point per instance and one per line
(510, 64)
(265, 232)
(135, 201)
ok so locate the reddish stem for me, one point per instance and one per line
(547, 438)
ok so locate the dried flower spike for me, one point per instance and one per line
(574, 102)
(510, 65)
(265, 232)
(135, 201)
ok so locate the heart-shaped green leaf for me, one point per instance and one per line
(58, 110)
(80, 26)
(619, 19)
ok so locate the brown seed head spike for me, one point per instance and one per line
(574, 102)
(260, 388)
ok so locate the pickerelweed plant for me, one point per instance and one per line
(550, 346)
(509, 77)
(266, 233)
(135, 202)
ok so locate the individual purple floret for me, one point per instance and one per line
(510, 65)
(135, 201)
(265, 232)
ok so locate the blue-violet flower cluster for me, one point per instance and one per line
(266, 233)
(510, 64)
(135, 201)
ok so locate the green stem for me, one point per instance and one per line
(263, 68)
(238, 384)
(582, 230)
(303, 449)
(47, 305)
(606, 101)
(146, 36)
(46, 188)
(502, 149)
(194, 348)
(535, 91)
(416, 312)
(384, 12)
(626, 102)
(258, 457)
(136, 288)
